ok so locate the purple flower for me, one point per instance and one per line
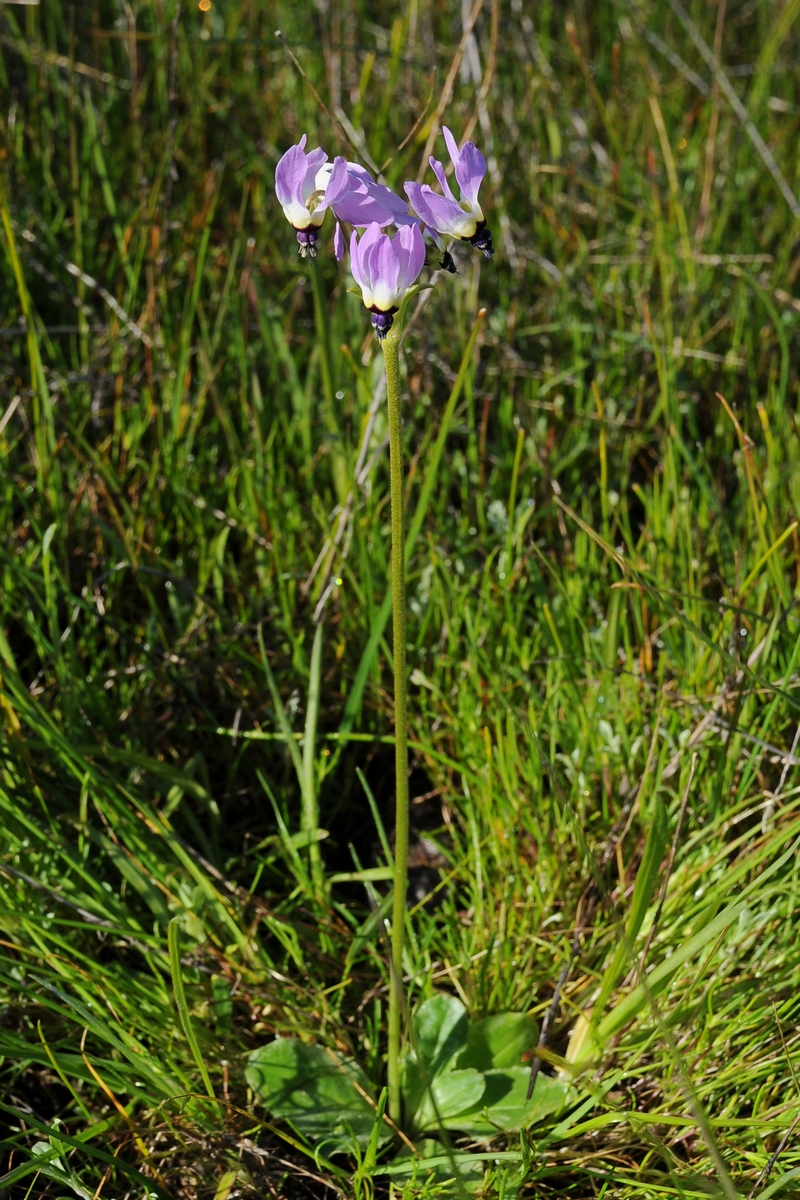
(301, 182)
(307, 185)
(446, 216)
(384, 268)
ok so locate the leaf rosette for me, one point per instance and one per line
(465, 1077)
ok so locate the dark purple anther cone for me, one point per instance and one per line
(382, 323)
(308, 242)
(448, 263)
(482, 240)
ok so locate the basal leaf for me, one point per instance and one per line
(313, 1088)
(411, 1083)
(440, 1033)
(500, 1041)
(504, 1108)
(450, 1095)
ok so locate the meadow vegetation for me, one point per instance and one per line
(603, 566)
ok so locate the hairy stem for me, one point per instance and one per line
(391, 354)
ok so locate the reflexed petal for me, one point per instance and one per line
(371, 235)
(339, 181)
(447, 216)
(356, 264)
(315, 159)
(393, 203)
(355, 197)
(356, 169)
(410, 250)
(443, 215)
(408, 219)
(361, 256)
(383, 194)
(417, 256)
(470, 170)
(418, 203)
(358, 207)
(452, 146)
(438, 170)
(338, 242)
(290, 174)
(384, 269)
(403, 255)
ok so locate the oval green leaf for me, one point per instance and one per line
(504, 1107)
(449, 1096)
(440, 1033)
(313, 1088)
(500, 1041)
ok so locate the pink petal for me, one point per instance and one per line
(290, 174)
(418, 203)
(361, 253)
(358, 207)
(371, 235)
(390, 200)
(339, 182)
(435, 210)
(438, 171)
(385, 272)
(470, 171)
(452, 146)
(410, 250)
(356, 262)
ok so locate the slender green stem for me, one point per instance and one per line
(391, 354)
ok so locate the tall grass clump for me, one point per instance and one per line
(600, 556)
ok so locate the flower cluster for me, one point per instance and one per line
(384, 266)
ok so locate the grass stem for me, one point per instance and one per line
(173, 937)
(310, 805)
